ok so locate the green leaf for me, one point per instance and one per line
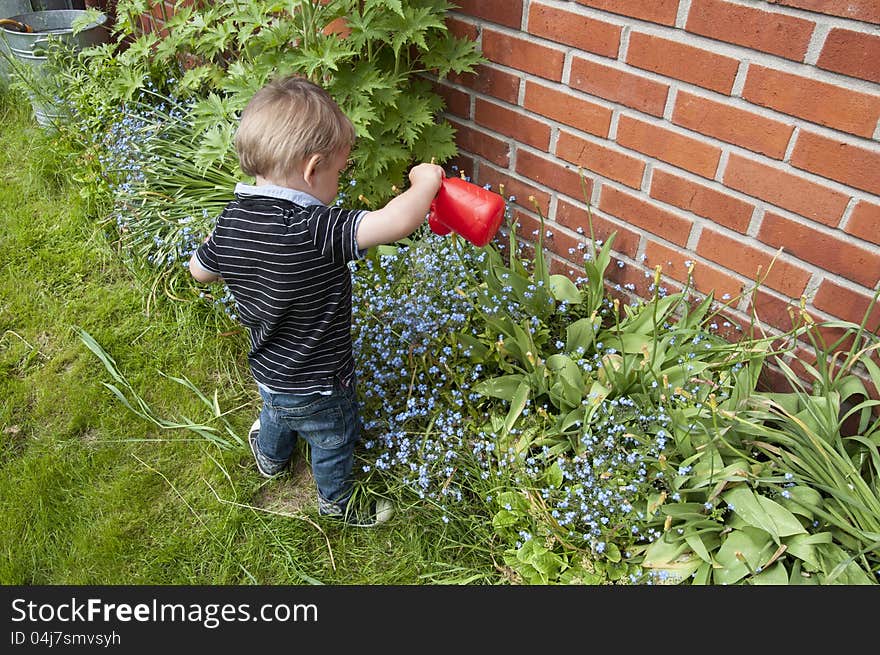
(761, 512)
(696, 543)
(803, 546)
(774, 575)
(580, 334)
(564, 290)
(515, 500)
(567, 376)
(504, 520)
(612, 552)
(743, 552)
(517, 405)
(553, 476)
(504, 387)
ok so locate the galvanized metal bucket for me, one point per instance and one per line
(29, 48)
(9, 8)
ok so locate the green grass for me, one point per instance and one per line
(90, 493)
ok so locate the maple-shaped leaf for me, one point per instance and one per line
(413, 28)
(448, 53)
(215, 145)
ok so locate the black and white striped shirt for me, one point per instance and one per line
(284, 257)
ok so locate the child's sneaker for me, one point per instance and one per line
(266, 467)
(375, 513)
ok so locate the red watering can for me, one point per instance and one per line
(466, 209)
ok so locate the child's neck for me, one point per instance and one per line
(291, 183)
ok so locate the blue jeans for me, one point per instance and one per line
(330, 424)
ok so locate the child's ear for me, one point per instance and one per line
(311, 167)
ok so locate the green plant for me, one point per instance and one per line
(779, 495)
(215, 56)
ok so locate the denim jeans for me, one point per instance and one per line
(330, 424)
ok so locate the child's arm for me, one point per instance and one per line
(404, 213)
(199, 273)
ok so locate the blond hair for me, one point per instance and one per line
(286, 122)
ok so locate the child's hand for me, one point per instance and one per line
(429, 175)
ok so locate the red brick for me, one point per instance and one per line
(706, 278)
(635, 211)
(503, 12)
(837, 160)
(846, 303)
(819, 102)
(864, 10)
(512, 123)
(737, 126)
(458, 103)
(770, 310)
(574, 217)
(529, 228)
(552, 174)
(482, 144)
(523, 55)
(851, 53)
(600, 160)
(520, 189)
(682, 62)
(461, 162)
(728, 324)
(673, 148)
(461, 29)
(639, 278)
(581, 32)
(776, 273)
(864, 222)
(628, 89)
(490, 81)
(785, 190)
(754, 28)
(655, 11)
(719, 207)
(832, 254)
(573, 110)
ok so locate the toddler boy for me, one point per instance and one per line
(283, 251)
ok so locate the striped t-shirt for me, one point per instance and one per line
(284, 257)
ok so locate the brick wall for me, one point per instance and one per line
(716, 133)
(736, 139)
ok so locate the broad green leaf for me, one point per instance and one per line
(691, 318)
(612, 552)
(684, 510)
(563, 289)
(786, 523)
(743, 553)
(696, 544)
(567, 376)
(517, 405)
(702, 575)
(804, 547)
(579, 335)
(662, 552)
(553, 476)
(802, 500)
(515, 500)
(650, 317)
(747, 506)
(504, 520)
(625, 342)
(504, 387)
(774, 575)
(477, 349)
